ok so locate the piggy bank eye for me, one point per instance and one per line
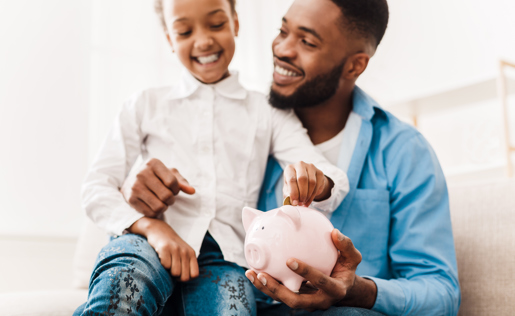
(263, 227)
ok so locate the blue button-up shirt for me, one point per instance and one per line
(396, 213)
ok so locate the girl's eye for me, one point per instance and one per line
(308, 43)
(217, 26)
(184, 33)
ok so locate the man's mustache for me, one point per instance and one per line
(288, 61)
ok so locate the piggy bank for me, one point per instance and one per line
(286, 232)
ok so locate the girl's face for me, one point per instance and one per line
(202, 33)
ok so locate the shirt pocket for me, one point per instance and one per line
(368, 223)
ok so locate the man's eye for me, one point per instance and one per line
(308, 43)
(217, 26)
(282, 32)
(184, 33)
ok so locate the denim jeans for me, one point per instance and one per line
(129, 279)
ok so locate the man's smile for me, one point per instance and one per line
(285, 73)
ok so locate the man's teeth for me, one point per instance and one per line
(208, 59)
(285, 72)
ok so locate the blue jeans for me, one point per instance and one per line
(129, 279)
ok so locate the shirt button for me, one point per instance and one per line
(207, 214)
(205, 150)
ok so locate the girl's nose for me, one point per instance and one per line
(204, 42)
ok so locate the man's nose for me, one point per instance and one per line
(284, 47)
(204, 41)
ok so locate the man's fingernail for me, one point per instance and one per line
(340, 236)
(293, 265)
(262, 279)
(250, 277)
(295, 203)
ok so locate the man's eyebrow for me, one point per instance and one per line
(307, 30)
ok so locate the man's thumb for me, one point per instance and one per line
(346, 247)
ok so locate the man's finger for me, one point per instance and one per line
(252, 276)
(290, 183)
(351, 256)
(314, 276)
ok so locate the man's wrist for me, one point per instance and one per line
(362, 294)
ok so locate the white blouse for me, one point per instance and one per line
(218, 137)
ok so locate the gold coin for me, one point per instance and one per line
(287, 201)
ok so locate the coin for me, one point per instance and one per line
(287, 201)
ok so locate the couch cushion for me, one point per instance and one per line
(44, 303)
(483, 220)
(91, 241)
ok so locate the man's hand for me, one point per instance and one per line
(155, 188)
(174, 253)
(304, 183)
(342, 288)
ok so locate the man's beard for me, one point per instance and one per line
(311, 93)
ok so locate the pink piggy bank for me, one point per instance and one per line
(286, 232)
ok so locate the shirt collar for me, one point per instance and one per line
(229, 87)
(363, 104)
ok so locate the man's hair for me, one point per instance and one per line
(366, 18)
(158, 7)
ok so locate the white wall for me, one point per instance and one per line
(44, 101)
(67, 66)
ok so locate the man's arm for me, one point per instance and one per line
(421, 244)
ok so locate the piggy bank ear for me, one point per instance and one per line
(248, 216)
(291, 213)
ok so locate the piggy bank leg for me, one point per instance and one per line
(293, 284)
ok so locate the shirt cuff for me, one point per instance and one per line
(390, 299)
(338, 192)
(122, 224)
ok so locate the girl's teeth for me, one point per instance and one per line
(285, 72)
(208, 59)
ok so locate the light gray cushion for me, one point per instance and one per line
(483, 220)
(91, 241)
(45, 303)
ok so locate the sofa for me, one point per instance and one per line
(483, 219)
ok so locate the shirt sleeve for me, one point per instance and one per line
(101, 196)
(422, 254)
(291, 144)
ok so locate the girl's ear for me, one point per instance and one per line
(236, 24)
(169, 41)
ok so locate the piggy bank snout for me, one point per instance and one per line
(257, 256)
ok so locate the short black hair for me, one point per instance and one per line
(368, 18)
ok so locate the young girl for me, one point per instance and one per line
(218, 136)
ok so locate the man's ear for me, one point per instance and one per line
(356, 65)
(170, 41)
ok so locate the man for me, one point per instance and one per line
(397, 212)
